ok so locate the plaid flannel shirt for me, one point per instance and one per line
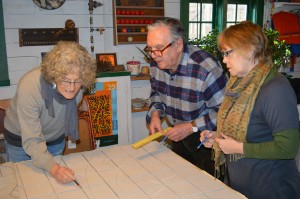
(193, 92)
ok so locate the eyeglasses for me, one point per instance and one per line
(158, 53)
(227, 53)
(77, 83)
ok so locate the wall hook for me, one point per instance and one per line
(101, 30)
(93, 4)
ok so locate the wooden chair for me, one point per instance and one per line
(86, 140)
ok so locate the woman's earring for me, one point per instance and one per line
(54, 86)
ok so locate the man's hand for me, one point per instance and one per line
(155, 124)
(179, 132)
(62, 174)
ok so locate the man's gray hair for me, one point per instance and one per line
(174, 25)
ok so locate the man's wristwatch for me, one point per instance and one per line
(194, 128)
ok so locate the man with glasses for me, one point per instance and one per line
(187, 86)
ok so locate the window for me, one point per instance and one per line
(199, 17)
(236, 12)
(4, 80)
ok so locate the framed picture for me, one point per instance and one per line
(106, 62)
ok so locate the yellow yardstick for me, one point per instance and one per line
(149, 139)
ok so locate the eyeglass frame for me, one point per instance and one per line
(69, 83)
(226, 53)
(149, 52)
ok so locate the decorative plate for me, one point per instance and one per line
(49, 4)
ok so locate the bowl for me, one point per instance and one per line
(138, 103)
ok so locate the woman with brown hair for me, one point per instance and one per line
(257, 126)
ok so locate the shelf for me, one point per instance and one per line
(132, 33)
(140, 77)
(132, 17)
(139, 16)
(281, 4)
(113, 74)
(145, 108)
(132, 42)
(140, 7)
(285, 6)
(131, 24)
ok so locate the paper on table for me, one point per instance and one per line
(149, 139)
(154, 171)
(8, 181)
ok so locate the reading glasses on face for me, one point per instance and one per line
(157, 53)
(226, 53)
(70, 83)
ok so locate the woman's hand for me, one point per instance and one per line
(229, 145)
(62, 174)
(210, 138)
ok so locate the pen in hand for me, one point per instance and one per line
(164, 139)
(205, 138)
(165, 136)
(76, 182)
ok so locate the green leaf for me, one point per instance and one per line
(280, 50)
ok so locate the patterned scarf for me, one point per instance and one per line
(71, 117)
(236, 108)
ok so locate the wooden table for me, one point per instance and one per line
(153, 171)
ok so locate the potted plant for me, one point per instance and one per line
(280, 50)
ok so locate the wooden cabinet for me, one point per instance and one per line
(132, 17)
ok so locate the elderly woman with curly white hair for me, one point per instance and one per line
(44, 110)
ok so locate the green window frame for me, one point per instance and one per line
(255, 9)
(4, 78)
(236, 4)
(200, 24)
